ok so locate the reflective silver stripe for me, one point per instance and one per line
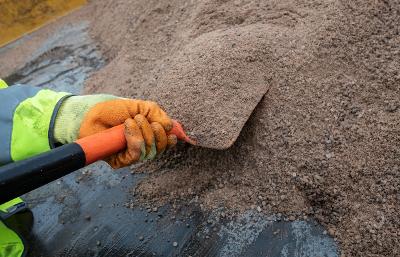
(10, 98)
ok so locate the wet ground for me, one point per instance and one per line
(86, 213)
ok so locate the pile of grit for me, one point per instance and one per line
(324, 142)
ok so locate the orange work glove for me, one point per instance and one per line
(146, 127)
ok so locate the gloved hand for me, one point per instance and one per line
(146, 125)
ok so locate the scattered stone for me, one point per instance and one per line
(391, 107)
(332, 231)
(175, 244)
(98, 243)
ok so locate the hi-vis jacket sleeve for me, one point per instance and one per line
(27, 117)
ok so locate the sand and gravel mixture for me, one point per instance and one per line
(323, 142)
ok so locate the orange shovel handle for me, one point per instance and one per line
(108, 142)
(103, 144)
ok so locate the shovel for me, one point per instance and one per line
(24, 176)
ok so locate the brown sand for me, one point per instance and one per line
(228, 87)
(325, 140)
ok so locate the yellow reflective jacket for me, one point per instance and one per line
(27, 117)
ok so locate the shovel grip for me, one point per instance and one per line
(108, 142)
(103, 144)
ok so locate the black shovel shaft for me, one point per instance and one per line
(24, 176)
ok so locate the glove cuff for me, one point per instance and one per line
(71, 114)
